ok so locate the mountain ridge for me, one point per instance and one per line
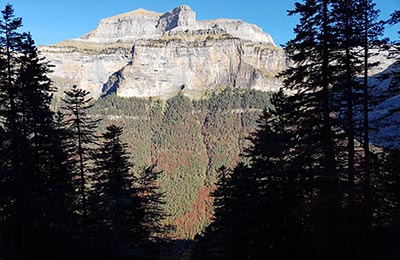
(188, 51)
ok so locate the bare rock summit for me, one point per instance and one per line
(144, 53)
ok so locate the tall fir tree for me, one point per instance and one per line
(124, 207)
(36, 97)
(82, 141)
(314, 147)
(60, 225)
(151, 231)
(28, 146)
(152, 200)
(346, 32)
(9, 60)
(371, 30)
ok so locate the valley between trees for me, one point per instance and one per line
(237, 174)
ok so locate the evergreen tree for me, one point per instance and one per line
(81, 143)
(117, 204)
(281, 186)
(25, 95)
(212, 243)
(314, 146)
(371, 29)
(151, 230)
(313, 75)
(60, 221)
(229, 235)
(152, 199)
(36, 95)
(346, 32)
(124, 207)
(10, 40)
(30, 173)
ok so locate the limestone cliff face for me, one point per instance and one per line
(144, 53)
(88, 68)
(128, 26)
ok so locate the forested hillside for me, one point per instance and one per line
(188, 140)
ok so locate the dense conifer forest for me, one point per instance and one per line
(189, 140)
(236, 174)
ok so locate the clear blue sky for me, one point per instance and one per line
(51, 21)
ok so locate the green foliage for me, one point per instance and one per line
(189, 140)
(81, 139)
(180, 152)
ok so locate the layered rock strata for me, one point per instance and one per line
(144, 53)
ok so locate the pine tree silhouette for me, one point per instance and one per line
(82, 139)
(29, 171)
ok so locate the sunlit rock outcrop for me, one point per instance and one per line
(144, 53)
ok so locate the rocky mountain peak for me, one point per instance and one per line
(145, 53)
(179, 16)
(143, 24)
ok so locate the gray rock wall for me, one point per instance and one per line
(144, 53)
(87, 68)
